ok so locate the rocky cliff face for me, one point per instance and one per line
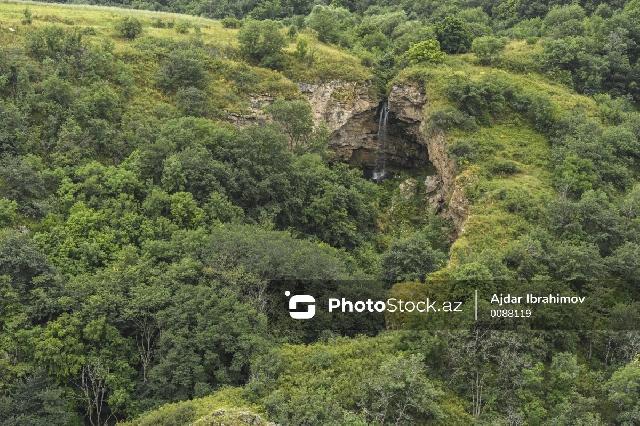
(348, 110)
(352, 111)
(408, 102)
(336, 103)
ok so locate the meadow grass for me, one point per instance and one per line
(324, 63)
(502, 206)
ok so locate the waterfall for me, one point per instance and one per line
(379, 171)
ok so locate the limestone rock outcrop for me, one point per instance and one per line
(351, 111)
(408, 103)
(336, 103)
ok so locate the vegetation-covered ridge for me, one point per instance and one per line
(144, 234)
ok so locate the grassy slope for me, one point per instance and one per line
(330, 63)
(492, 221)
(338, 367)
(227, 406)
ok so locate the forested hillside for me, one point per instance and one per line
(163, 176)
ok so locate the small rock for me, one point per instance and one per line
(432, 184)
(408, 188)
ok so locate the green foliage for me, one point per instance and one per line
(483, 99)
(22, 180)
(231, 22)
(623, 391)
(27, 16)
(411, 259)
(193, 101)
(225, 406)
(330, 22)
(181, 69)
(296, 120)
(504, 168)
(427, 51)
(302, 49)
(8, 212)
(564, 21)
(160, 23)
(54, 42)
(129, 28)
(464, 151)
(183, 27)
(292, 31)
(488, 49)
(335, 204)
(454, 35)
(36, 400)
(262, 42)
(143, 242)
(286, 379)
(449, 118)
(527, 29)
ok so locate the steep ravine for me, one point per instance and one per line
(351, 112)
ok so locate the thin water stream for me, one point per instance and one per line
(379, 171)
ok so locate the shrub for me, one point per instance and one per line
(480, 99)
(464, 151)
(411, 259)
(231, 22)
(8, 212)
(454, 35)
(192, 101)
(504, 167)
(27, 17)
(449, 118)
(261, 41)
(623, 392)
(488, 49)
(158, 23)
(409, 33)
(331, 23)
(295, 118)
(427, 51)
(519, 201)
(564, 21)
(537, 108)
(181, 69)
(183, 27)
(527, 29)
(302, 49)
(129, 28)
(90, 31)
(53, 42)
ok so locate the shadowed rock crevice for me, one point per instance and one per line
(359, 142)
(352, 113)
